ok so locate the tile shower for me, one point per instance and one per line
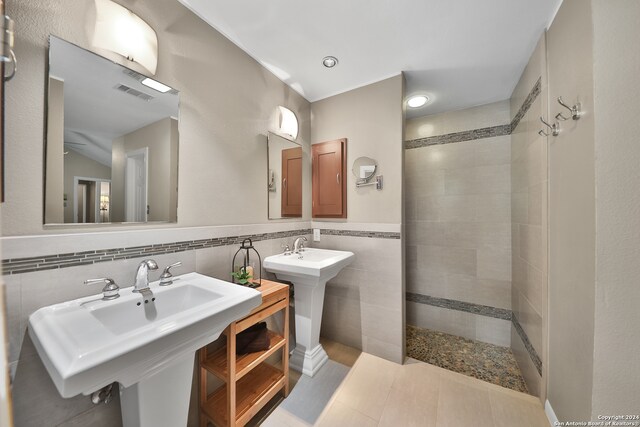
(467, 241)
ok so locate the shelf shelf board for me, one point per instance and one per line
(256, 388)
(217, 362)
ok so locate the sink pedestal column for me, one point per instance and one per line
(308, 356)
(161, 399)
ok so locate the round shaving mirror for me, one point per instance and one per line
(364, 168)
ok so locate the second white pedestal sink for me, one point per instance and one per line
(309, 271)
(145, 342)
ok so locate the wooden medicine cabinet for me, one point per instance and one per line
(328, 183)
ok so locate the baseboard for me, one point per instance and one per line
(551, 416)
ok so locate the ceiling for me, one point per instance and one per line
(461, 53)
(95, 113)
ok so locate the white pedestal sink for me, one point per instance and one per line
(147, 347)
(309, 272)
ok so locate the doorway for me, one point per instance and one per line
(136, 175)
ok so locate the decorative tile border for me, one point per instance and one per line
(467, 135)
(482, 310)
(488, 132)
(533, 354)
(49, 262)
(537, 88)
(353, 233)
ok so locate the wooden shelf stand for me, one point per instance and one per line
(249, 381)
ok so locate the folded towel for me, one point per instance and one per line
(253, 339)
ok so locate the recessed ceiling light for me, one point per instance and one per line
(155, 85)
(417, 101)
(329, 61)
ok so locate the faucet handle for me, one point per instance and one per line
(287, 249)
(110, 290)
(166, 278)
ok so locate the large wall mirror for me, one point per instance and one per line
(285, 177)
(111, 142)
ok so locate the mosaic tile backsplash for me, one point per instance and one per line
(38, 263)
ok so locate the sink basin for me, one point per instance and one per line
(309, 272)
(311, 266)
(88, 343)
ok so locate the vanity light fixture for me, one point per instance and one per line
(287, 122)
(329, 61)
(417, 101)
(155, 85)
(119, 30)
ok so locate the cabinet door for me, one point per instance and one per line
(328, 179)
(292, 182)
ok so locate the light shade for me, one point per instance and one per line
(287, 122)
(121, 31)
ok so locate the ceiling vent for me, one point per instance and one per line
(133, 74)
(133, 92)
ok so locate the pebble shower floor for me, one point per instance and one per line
(487, 362)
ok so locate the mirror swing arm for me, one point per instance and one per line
(363, 182)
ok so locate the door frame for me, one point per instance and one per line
(145, 161)
(96, 207)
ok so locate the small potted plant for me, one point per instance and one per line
(243, 276)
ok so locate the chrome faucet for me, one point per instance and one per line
(142, 275)
(298, 246)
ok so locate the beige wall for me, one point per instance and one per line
(616, 370)
(55, 151)
(378, 137)
(75, 164)
(226, 103)
(364, 303)
(571, 215)
(529, 222)
(161, 140)
(458, 214)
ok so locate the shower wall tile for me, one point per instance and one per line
(527, 367)
(457, 121)
(493, 331)
(494, 264)
(459, 240)
(529, 219)
(467, 325)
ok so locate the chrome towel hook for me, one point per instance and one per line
(575, 110)
(555, 128)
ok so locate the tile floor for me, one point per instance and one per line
(275, 413)
(377, 392)
(486, 362)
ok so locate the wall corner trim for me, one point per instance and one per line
(551, 416)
